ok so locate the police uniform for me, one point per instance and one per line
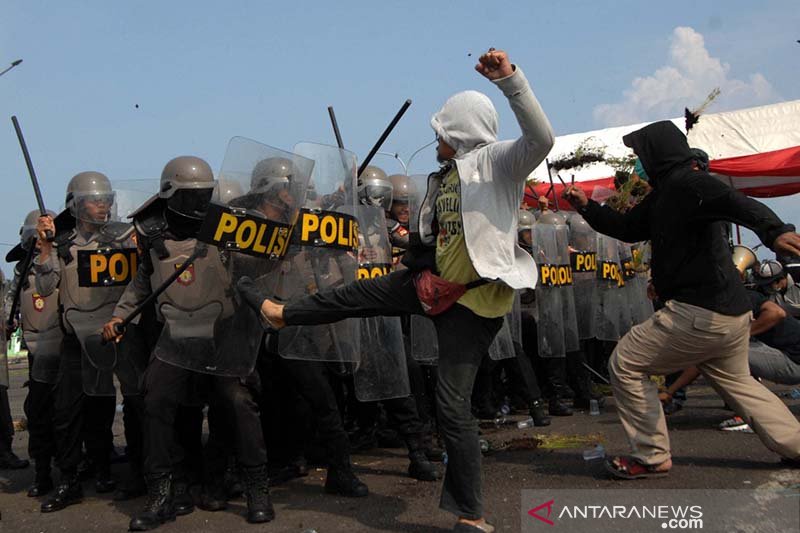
(77, 416)
(167, 238)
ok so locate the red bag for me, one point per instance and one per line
(436, 294)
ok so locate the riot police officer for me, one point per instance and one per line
(309, 379)
(85, 236)
(42, 334)
(196, 311)
(375, 190)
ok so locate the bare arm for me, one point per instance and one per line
(686, 377)
(770, 315)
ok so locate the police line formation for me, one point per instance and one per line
(155, 287)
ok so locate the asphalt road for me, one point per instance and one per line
(704, 458)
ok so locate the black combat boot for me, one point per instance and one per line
(214, 498)
(419, 466)
(159, 507)
(256, 489)
(559, 408)
(342, 481)
(42, 483)
(538, 413)
(433, 453)
(68, 492)
(103, 481)
(10, 461)
(133, 487)
(181, 497)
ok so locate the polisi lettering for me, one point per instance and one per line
(373, 270)
(610, 271)
(583, 261)
(555, 275)
(106, 267)
(327, 228)
(250, 235)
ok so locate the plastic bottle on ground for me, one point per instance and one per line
(525, 424)
(593, 454)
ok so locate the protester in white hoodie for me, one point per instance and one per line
(467, 231)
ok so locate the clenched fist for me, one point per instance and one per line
(494, 65)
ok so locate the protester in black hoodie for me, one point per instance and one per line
(706, 319)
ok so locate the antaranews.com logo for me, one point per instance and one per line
(672, 517)
(659, 510)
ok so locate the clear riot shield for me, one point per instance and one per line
(639, 274)
(210, 323)
(381, 372)
(583, 260)
(130, 195)
(557, 324)
(46, 350)
(417, 190)
(101, 361)
(515, 322)
(509, 338)
(103, 274)
(502, 346)
(611, 301)
(322, 255)
(424, 339)
(628, 289)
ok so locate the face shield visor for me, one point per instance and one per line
(377, 195)
(190, 203)
(93, 207)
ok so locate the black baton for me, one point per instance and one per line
(34, 181)
(383, 137)
(335, 127)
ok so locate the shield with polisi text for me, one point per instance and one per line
(557, 324)
(323, 254)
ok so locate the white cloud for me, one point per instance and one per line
(685, 81)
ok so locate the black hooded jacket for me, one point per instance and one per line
(681, 217)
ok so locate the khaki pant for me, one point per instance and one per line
(677, 337)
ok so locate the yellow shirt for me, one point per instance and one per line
(492, 300)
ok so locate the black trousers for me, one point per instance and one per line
(550, 371)
(6, 422)
(39, 408)
(167, 386)
(310, 380)
(78, 418)
(133, 420)
(464, 340)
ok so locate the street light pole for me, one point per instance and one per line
(13, 64)
(418, 151)
(397, 156)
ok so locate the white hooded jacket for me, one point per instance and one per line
(492, 175)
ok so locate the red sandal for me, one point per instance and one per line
(630, 468)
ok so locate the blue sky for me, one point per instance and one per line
(202, 72)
